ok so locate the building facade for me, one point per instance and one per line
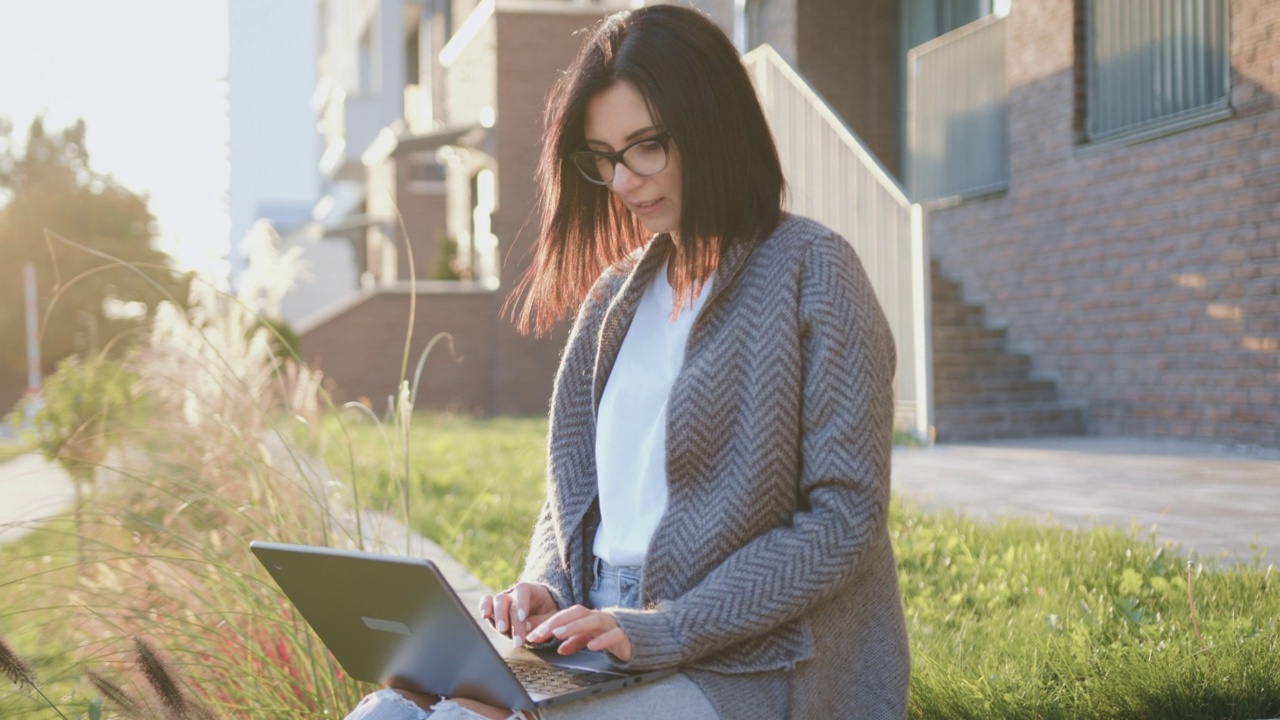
(1134, 252)
(1098, 191)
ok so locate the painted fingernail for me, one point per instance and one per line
(559, 631)
(516, 641)
(502, 626)
(521, 615)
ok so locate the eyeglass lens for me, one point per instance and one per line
(646, 157)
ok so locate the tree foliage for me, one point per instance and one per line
(49, 192)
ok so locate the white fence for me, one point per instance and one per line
(832, 178)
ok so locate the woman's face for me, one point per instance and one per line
(617, 118)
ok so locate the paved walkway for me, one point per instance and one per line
(1217, 501)
(31, 490)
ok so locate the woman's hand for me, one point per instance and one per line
(579, 627)
(516, 610)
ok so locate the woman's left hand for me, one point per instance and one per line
(580, 627)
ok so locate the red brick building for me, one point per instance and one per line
(459, 180)
(1100, 196)
(1138, 268)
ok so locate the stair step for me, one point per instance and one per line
(981, 390)
(961, 371)
(968, 337)
(994, 391)
(981, 422)
(957, 314)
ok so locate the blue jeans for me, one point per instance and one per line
(615, 586)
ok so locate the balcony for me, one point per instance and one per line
(350, 123)
(957, 113)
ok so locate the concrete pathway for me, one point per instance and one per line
(1214, 500)
(31, 490)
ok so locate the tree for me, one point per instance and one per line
(49, 187)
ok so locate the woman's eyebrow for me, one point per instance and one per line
(638, 133)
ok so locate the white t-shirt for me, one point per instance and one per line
(631, 428)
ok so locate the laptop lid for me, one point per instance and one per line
(395, 620)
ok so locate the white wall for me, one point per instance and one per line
(274, 147)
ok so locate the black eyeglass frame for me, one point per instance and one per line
(663, 138)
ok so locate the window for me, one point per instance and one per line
(1153, 66)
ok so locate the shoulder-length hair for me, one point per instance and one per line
(697, 89)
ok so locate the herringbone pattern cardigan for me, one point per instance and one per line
(770, 580)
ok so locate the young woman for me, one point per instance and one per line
(718, 471)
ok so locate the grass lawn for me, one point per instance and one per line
(1014, 619)
(1006, 620)
(476, 485)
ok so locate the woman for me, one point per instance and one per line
(718, 471)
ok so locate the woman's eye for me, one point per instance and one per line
(650, 146)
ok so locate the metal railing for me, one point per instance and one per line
(834, 179)
(957, 113)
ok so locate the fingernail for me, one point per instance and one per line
(502, 626)
(559, 631)
(520, 615)
(516, 641)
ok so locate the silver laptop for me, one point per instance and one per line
(396, 621)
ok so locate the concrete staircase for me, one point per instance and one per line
(981, 390)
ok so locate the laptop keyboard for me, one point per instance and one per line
(552, 679)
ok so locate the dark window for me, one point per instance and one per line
(1152, 66)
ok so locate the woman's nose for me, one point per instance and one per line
(623, 178)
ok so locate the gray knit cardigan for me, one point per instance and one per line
(770, 579)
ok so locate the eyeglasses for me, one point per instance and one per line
(644, 157)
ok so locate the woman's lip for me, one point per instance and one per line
(647, 208)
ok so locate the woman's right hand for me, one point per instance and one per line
(518, 609)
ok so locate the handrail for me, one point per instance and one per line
(834, 179)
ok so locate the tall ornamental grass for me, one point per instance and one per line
(151, 605)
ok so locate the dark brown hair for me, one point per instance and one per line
(697, 89)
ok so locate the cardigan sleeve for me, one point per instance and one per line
(847, 407)
(570, 474)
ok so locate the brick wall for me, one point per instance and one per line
(1145, 277)
(848, 51)
(423, 216)
(514, 61)
(360, 350)
(533, 49)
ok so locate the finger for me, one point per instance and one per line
(542, 632)
(592, 624)
(486, 607)
(614, 641)
(521, 602)
(502, 612)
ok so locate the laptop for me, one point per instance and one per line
(396, 621)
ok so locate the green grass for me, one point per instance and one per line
(1023, 620)
(476, 485)
(1013, 619)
